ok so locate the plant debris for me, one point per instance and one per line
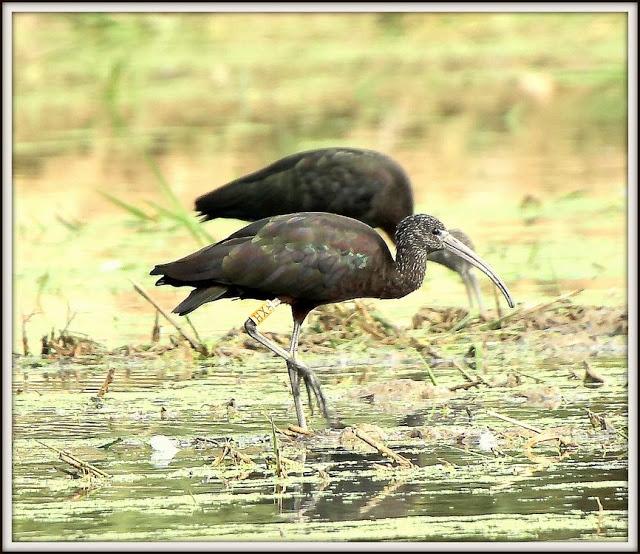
(68, 345)
(372, 436)
(83, 468)
(401, 390)
(592, 377)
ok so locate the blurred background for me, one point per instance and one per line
(511, 126)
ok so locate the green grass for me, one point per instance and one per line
(152, 110)
(257, 77)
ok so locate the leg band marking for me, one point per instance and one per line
(264, 311)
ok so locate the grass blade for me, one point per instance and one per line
(133, 210)
(179, 213)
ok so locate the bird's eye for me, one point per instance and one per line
(436, 232)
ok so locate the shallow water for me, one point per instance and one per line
(504, 136)
(459, 489)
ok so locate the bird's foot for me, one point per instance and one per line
(309, 377)
(312, 385)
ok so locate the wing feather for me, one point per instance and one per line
(307, 256)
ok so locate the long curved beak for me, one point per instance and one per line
(453, 245)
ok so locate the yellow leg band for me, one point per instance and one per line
(264, 311)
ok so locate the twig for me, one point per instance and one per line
(600, 506)
(479, 377)
(237, 455)
(193, 328)
(391, 487)
(369, 323)
(428, 348)
(299, 430)
(286, 433)
(468, 451)
(70, 317)
(214, 442)
(598, 420)
(383, 449)
(276, 449)
(107, 381)
(536, 430)
(25, 342)
(591, 376)
(218, 460)
(600, 514)
(496, 299)
(197, 346)
(514, 421)
(478, 355)
(462, 323)
(415, 343)
(155, 332)
(229, 450)
(110, 443)
(465, 386)
(463, 371)
(545, 437)
(193, 498)
(432, 377)
(536, 379)
(84, 467)
(497, 323)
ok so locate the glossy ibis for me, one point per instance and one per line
(307, 260)
(357, 183)
(462, 267)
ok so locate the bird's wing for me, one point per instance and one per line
(345, 181)
(317, 256)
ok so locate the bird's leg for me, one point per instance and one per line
(473, 280)
(293, 377)
(295, 336)
(473, 291)
(251, 327)
(466, 278)
(262, 313)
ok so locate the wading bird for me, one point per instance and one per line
(462, 267)
(307, 260)
(362, 184)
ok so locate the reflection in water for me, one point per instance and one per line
(164, 450)
(525, 150)
(372, 497)
(327, 484)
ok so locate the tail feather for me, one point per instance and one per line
(198, 297)
(198, 269)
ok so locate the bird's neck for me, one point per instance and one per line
(409, 270)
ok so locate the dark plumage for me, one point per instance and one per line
(310, 259)
(362, 184)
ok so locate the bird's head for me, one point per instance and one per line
(427, 233)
